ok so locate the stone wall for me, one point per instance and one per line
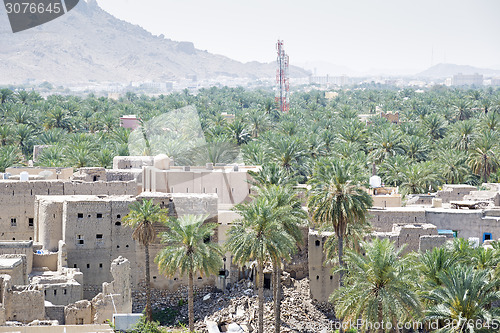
(48, 260)
(55, 312)
(430, 242)
(14, 265)
(116, 297)
(19, 247)
(21, 303)
(322, 281)
(454, 192)
(17, 218)
(79, 313)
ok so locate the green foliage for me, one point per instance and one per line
(145, 326)
(166, 317)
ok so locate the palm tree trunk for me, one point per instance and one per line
(149, 311)
(260, 283)
(277, 296)
(191, 302)
(485, 169)
(341, 261)
(380, 317)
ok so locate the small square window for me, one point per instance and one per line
(79, 240)
(99, 215)
(13, 222)
(100, 265)
(80, 215)
(31, 221)
(98, 236)
(88, 265)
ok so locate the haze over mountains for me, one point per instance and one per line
(448, 70)
(90, 44)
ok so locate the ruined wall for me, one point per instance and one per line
(19, 247)
(14, 265)
(430, 242)
(408, 235)
(79, 313)
(132, 162)
(15, 300)
(116, 297)
(59, 287)
(55, 312)
(321, 281)
(454, 192)
(93, 174)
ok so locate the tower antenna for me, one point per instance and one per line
(282, 78)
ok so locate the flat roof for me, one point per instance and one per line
(7, 263)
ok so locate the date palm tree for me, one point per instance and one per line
(379, 286)
(464, 301)
(259, 236)
(337, 199)
(290, 220)
(187, 252)
(483, 158)
(141, 218)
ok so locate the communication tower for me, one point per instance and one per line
(282, 79)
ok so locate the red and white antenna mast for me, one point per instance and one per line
(282, 79)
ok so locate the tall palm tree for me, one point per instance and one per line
(384, 144)
(258, 236)
(380, 286)
(292, 217)
(464, 301)
(142, 216)
(483, 158)
(271, 174)
(336, 199)
(187, 252)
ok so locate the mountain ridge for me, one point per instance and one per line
(443, 70)
(89, 44)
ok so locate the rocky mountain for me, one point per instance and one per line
(448, 70)
(89, 44)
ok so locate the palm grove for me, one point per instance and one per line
(445, 136)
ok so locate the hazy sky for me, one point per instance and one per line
(401, 35)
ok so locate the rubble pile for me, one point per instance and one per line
(236, 310)
(239, 311)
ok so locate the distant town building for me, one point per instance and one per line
(467, 79)
(130, 121)
(330, 80)
(495, 81)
